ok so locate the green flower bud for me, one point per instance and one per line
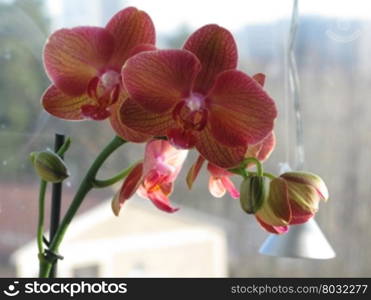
(252, 193)
(49, 166)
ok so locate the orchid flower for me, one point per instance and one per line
(84, 65)
(293, 199)
(154, 177)
(197, 98)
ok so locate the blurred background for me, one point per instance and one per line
(208, 236)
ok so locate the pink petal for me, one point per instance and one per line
(216, 49)
(229, 185)
(63, 106)
(273, 229)
(73, 57)
(130, 27)
(217, 171)
(216, 187)
(157, 80)
(121, 129)
(161, 201)
(241, 112)
(194, 171)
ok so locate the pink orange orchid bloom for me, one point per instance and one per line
(293, 199)
(154, 177)
(84, 65)
(197, 97)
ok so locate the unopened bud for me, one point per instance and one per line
(49, 166)
(252, 193)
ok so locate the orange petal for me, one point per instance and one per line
(131, 183)
(241, 112)
(157, 80)
(217, 153)
(216, 187)
(194, 170)
(130, 27)
(137, 118)
(217, 51)
(121, 129)
(63, 106)
(276, 209)
(72, 57)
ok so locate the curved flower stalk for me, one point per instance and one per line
(197, 98)
(84, 65)
(293, 199)
(153, 178)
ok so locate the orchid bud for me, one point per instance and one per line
(305, 190)
(49, 166)
(252, 193)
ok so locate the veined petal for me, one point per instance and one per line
(161, 201)
(216, 187)
(129, 27)
(157, 80)
(217, 171)
(299, 215)
(241, 112)
(131, 183)
(63, 106)
(263, 149)
(72, 57)
(272, 229)
(217, 153)
(217, 51)
(137, 118)
(194, 170)
(276, 208)
(121, 129)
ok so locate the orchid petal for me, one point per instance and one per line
(273, 229)
(137, 118)
(161, 201)
(240, 111)
(217, 153)
(131, 183)
(262, 150)
(216, 187)
(216, 49)
(157, 80)
(130, 27)
(72, 57)
(260, 78)
(63, 106)
(229, 185)
(121, 129)
(194, 171)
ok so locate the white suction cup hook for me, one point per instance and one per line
(302, 241)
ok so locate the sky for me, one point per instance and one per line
(168, 15)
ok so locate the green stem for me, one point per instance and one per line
(85, 186)
(259, 167)
(108, 182)
(40, 225)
